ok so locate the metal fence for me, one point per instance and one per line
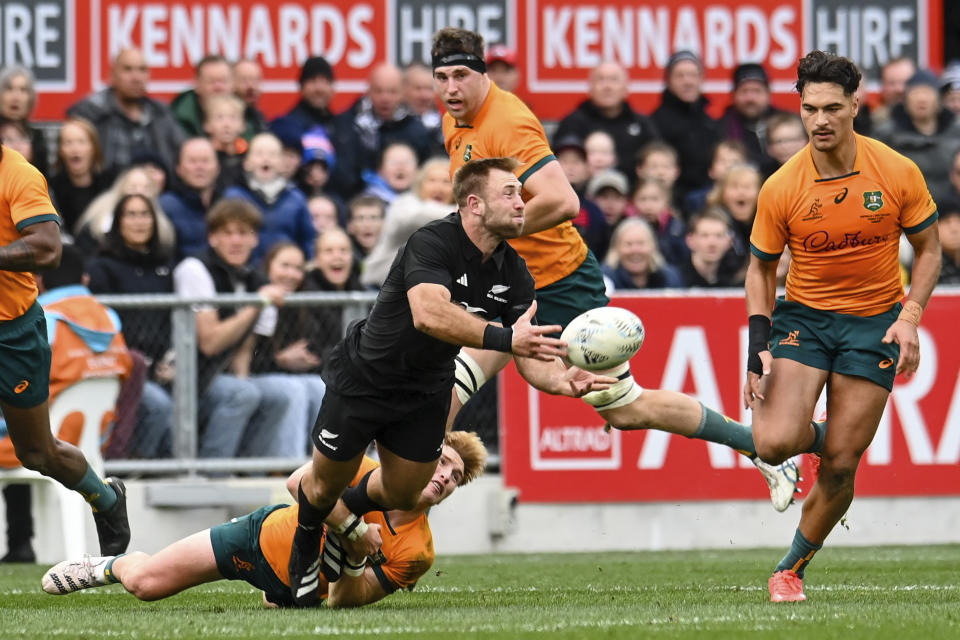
(479, 415)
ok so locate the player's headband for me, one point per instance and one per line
(466, 59)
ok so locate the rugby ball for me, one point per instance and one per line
(603, 338)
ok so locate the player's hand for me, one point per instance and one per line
(580, 382)
(531, 340)
(905, 334)
(751, 389)
(272, 292)
(366, 545)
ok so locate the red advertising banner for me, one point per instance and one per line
(555, 449)
(69, 43)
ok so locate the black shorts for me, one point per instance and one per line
(354, 413)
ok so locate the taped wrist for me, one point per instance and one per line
(911, 312)
(354, 568)
(352, 528)
(498, 338)
(759, 340)
(620, 394)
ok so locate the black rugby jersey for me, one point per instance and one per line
(387, 351)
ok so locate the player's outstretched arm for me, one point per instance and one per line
(761, 290)
(553, 199)
(926, 270)
(555, 378)
(355, 591)
(37, 249)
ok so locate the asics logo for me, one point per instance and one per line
(792, 339)
(841, 196)
(886, 364)
(21, 386)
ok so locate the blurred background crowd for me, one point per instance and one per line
(205, 195)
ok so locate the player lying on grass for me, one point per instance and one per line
(256, 547)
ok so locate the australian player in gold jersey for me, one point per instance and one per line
(256, 547)
(484, 121)
(29, 242)
(840, 205)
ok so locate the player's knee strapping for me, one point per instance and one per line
(620, 394)
(468, 376)
(358, 501)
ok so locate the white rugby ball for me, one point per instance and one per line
(603, 338)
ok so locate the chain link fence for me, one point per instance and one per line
(176, 420)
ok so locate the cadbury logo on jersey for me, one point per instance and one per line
(820, 241)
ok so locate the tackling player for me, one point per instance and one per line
(30, 241)
(256, 547)
(483, 121)
(840, 205)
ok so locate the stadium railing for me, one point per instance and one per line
(481, 417)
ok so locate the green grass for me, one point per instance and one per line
(876, 593)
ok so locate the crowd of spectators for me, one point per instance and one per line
(205, 195)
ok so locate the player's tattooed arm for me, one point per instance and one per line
(37, 249)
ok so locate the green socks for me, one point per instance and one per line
(95, 491)
(715, 427)
(108, 569)
(800, 554)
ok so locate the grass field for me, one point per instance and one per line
(877, 593)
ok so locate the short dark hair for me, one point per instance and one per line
(822, 66)
(709, 213)
(651, 148)
(210, 59)
(366, 200)
(451, 40)
(233, 210)
(471, 178)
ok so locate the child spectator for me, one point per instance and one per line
(709, 239)
(573, 160)
(323, 213)
(395, 173)
(601, 152)
(736, 195)
(283, 206)
(365, 223)
(659, 160)
(223, 123)
(635, 262)
(608, 191)
(651, 201)
(785, 137)
(726, 154)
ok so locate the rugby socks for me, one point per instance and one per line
(819, 435)
(716, 427)
(108, 570)
(310, 518)
(800, 554)
(95, 491)
(357, 499)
